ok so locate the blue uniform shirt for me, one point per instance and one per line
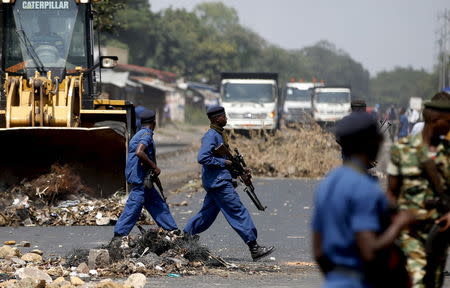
(214, 173)
(136, 170)
(346, 202)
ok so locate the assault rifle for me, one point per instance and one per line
(239, 168)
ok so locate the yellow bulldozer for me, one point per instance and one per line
(50, 106)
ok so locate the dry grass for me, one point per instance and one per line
(301, 151)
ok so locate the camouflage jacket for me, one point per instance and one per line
(415, 190)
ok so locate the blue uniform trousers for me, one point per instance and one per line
(152, 201)
(337, 280)
(223, 199)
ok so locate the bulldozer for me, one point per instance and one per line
(51, 109)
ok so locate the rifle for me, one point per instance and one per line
(152, 179)
(238, 168)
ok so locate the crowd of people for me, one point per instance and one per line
(366, 237)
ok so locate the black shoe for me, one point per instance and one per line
(115, 241)
(259, 252)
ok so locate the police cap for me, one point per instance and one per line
(356, 123)
(358, 103)
(147, 116)
(215, 111)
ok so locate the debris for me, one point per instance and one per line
(32, 257)
(174, 275)
(10, 242)
(33, 273)
(30, 283)
(136, 280)
(25, 244)
(299, 152)
(18, 261)
(37, 251)
(98, 258)
(8, 252)
(76, 281)
(83, 268)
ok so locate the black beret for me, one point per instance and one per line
(147, 116)
(215, 111)
(355, 123)
(358, 104)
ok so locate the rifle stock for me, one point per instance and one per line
(239, 168)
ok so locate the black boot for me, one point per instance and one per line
(259, 252)
(188, 237)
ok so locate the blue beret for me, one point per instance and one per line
(147, 116)
(355, 123)
(215, 111)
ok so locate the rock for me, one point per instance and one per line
(98, 258)
(83, 268)
(136, 280)
(8, 252)
(33, 273)
(37, 251)
(102, 221)
(76, 281)
(30, 283)
(31, 257)
(108, 284)
(18, 261)
(8, 284)
(93, 272)
(3, 220)
(10, 242)
(25, 244)
(59, 280)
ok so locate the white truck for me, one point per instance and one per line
(297, 101)
(251, 100)
(330, 103)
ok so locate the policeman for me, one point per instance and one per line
(409, 188)
(349, 205)
(141, 159)
(220, 193)
(358, 105)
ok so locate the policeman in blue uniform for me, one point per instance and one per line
(349, 205)
(142, 159)
(220, 193)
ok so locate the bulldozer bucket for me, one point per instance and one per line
(96, 154)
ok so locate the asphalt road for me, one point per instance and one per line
(285, 224)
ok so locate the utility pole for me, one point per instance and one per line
(443, 43)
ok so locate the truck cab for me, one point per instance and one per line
(330, 103)
(297, 101)
(250, 100)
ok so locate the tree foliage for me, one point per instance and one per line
(199, 44)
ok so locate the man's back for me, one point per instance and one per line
(347, 202)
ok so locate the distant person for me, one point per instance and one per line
(413, 117)
(403, 127)
(417, 128)
(393, 119)
(140, 161)
(348, 230)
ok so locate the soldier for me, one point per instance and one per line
(220, 192)
(141, 159)
(348, 231)
(409, 188)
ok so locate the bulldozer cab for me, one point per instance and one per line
(50, 109)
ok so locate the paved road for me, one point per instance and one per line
(285, 224)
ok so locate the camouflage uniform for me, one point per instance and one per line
(415, 191)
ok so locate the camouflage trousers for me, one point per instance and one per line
(413, 246)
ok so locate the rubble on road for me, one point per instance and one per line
(153, 253)
(301, 151)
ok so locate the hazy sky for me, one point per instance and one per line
(381, 34)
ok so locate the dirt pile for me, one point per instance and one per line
(301, 151)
